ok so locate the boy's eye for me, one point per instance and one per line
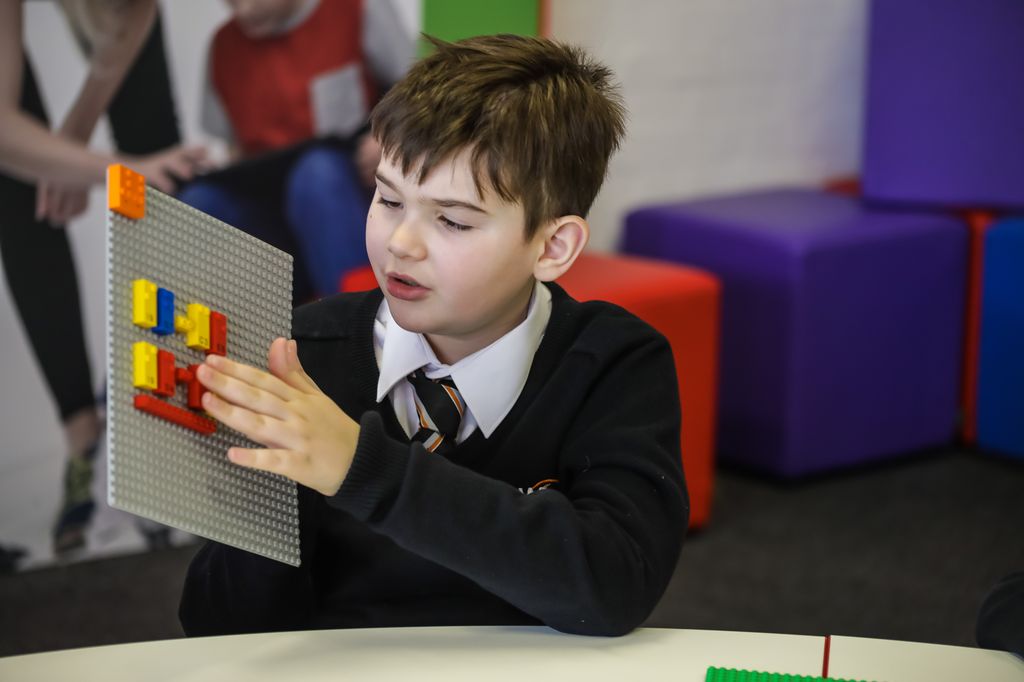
(388, 204)
(451, 224)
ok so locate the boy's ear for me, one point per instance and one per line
(564, 240)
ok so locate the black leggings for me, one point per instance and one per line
(37, 258)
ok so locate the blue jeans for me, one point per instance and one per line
(319, 217)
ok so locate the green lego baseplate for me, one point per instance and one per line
(734, 675)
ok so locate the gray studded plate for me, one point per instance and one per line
(159, 469)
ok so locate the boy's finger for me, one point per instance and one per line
(261, 428)
(250, 375)
(241, 394)
(284, 364)
(300, 373)
(272, 460)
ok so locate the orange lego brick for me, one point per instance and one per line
(174, 414)
(218, 334)
(126, 191)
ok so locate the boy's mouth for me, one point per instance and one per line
(404, 279)
(405, 288)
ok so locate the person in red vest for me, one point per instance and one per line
(290, 84)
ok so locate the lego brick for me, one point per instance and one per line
(166, 381)
(195, 390)
(144, 364)
(183, 375)
(172, 413)
(734, 675)
(126, 192)
(164, 312)
(218, 334)
(198, 334)
(173, 475)
(144, 303)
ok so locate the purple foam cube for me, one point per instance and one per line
(945, 103)
(841, 326)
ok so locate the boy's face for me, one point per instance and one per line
(453, 265)
(263, 18)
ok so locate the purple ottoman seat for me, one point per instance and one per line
(841, 326)
(945, 104)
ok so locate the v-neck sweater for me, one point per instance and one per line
(571, 514)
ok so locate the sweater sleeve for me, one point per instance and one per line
(590, 557)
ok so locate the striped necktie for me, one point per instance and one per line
(440, 408)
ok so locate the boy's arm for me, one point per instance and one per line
(591, 558)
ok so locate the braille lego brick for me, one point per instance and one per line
(174, 475)
(164, 312)
(144, 363)
(144, 303)
(198, 334)
(195, 390)
(734, 675)
(218, 334)
(126, 192)
(166, 381)
(172, 413)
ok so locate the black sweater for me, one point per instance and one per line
(413, 538)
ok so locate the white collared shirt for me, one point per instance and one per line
(490, 380)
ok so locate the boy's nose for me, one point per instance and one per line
(405, 241)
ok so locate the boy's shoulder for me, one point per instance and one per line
(597, 327)
(336, 316)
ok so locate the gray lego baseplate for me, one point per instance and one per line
(158, 469)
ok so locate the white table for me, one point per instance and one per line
(529, 654)
(857, 658)
(532, 654)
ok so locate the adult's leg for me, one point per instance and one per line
(326, 206)
(40, 273)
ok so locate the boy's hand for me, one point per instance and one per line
(309, 438)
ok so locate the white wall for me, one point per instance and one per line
(723, 94)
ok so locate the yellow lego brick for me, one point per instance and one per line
(144, 303)
(126, 191)
(182, 324)
(144, 364)
(198, 336)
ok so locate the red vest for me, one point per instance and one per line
(264, 84)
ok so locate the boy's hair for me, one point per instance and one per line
(540, 117)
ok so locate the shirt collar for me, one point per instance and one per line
(490, 380)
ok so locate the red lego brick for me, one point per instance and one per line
(218, 334)
(176, 415)
(195, 390)
(183, 375)
(165, 374)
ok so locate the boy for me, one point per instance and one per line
(544, 485)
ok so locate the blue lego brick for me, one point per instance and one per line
(164, 312)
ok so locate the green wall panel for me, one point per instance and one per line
(456, 19)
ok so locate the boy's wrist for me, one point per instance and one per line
(375, 473)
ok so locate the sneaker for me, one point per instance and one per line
(9, 558)
(78, 506)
